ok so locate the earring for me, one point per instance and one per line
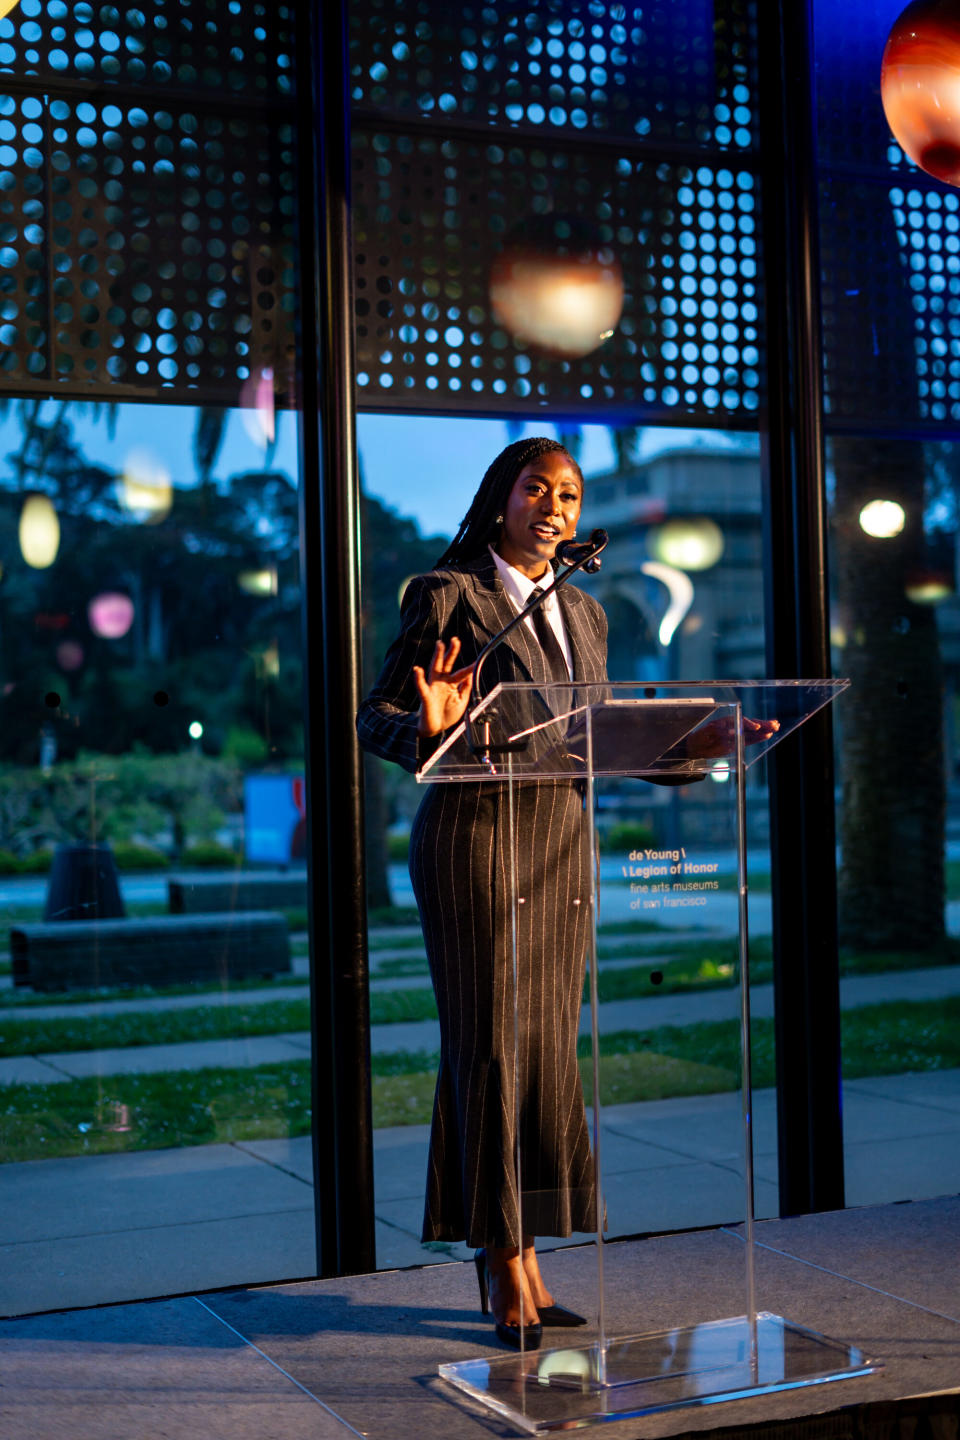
(498, 520)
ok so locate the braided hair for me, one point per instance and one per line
(480, 526)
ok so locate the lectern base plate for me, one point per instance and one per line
(642, 1374)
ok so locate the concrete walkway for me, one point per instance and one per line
(646, 1013)
(117, 1227)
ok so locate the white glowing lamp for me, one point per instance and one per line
(883, 519)
(110, 615)
(146, 491)
(39, 532)
(195, 730)
(259, 582)
(928, 587)
(688, 544)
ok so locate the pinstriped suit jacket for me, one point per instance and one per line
(469, 601)
(460, 869)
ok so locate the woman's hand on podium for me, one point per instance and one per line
(444, 691)
(718, 738)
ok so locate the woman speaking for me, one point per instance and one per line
(528, 501)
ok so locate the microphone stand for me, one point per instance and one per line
(589, 562)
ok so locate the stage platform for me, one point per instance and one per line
(359, 1356)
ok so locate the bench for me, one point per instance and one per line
(237, 890)
(166, 950)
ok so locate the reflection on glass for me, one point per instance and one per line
(895, 623)
(257, 408)
(557, 286)
(39, 532)
(882, 519)
(636, 483)
(920, 86)
(146, 490)
(145, 693)
(110, 615)
(692, 544)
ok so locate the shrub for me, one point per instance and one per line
(245, 745)
(398, 847)
(209, 852)
(38, 863)
(130, 856)
(126, 796)
(9, 863)
(627, 835)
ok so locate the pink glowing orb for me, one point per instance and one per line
(69, 655)
(920, 86)
(110, 615)
(557, 286)
(257, 408)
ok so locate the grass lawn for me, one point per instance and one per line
(145, 1112)
(693, 965)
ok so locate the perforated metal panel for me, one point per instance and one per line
(430, 215)
(677, 72)
(234, 48)
(147, 236)
(890, 245)
(639, 121)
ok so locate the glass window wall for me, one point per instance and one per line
(682, 586)
(155, 1119)
(890, 241)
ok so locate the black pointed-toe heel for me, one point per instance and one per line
(560, 1317)
(480, 1260)
(509, 1334)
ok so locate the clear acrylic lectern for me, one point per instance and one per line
(672, 734)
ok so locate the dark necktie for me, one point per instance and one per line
(549, 644)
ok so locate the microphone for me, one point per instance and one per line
(575, 557)
(569, 552)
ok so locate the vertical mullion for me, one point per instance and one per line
(330, 550)
(803, 843)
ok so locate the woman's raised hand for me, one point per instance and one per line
(443, 690)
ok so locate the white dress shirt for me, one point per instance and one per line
(520, 587)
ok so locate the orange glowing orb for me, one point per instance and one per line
(6, 6)
(557, 286)
(920, 86)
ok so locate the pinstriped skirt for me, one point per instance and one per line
(461, 878)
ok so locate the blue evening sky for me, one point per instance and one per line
(424, 467)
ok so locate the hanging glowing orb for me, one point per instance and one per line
(69, 655)
(257, 408)
(920, 86)
(110, 615)
(693, 544)
(39, 532)
(557, 286)
(146, 491)
(882, 519)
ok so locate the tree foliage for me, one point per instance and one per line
(201, 646)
